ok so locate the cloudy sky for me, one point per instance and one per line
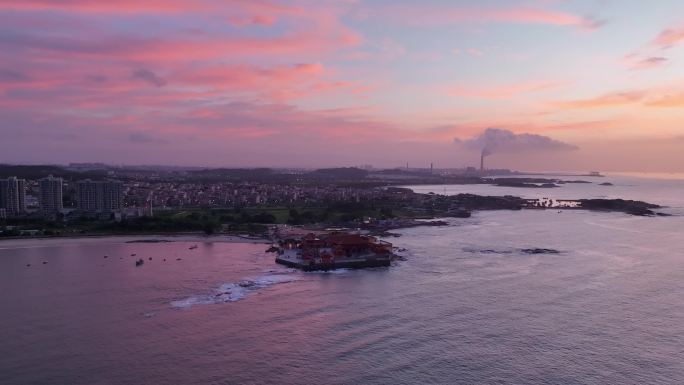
(342, 82)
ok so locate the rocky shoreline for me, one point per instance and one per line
(429, 208)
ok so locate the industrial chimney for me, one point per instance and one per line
(482, 156)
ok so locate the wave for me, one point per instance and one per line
(486, 251)
(534, 250)
(234, 291)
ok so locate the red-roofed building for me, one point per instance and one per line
(337, 249)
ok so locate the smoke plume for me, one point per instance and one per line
(496, 140)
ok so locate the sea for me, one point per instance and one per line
(469, 303)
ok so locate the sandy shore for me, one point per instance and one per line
(14, 243)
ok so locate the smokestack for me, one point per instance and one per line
(482, 156)
(431, 169)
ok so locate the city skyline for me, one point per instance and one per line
(581, 85)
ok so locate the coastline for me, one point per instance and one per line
(47, 241)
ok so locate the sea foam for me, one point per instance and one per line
(234, 291)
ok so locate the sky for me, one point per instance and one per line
(319, 83)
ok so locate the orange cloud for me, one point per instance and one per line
(670, 100)
(615, 99)
(504, 91)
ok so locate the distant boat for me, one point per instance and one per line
(193, 247)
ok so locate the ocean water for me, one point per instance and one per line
(467, 305)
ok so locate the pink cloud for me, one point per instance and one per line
(182, 49)
(635, 62)
(312, 31)
(424, 15)
(279, 83)
(39, 67)
(259, 8)
(669, 37)
(247, 77)
(94, 6)
(282, 122)
(251, 20)
(224, 70)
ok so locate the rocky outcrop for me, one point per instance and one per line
(619, 205)
(540, 251)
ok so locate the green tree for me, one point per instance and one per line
(208, 228)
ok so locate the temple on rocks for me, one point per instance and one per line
(334, 250)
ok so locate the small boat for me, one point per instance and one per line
(133, 255)
(193, 247)
(139, 262)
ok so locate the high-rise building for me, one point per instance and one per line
(13, 196)
(99, 196)
(21, 192)
(112, 192)
(86, 195)
(50, 195)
